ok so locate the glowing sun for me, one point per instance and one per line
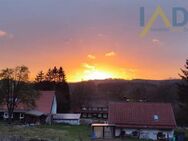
(97, 75)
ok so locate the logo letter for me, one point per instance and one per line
(175, 16)
(142, 16)
(158, 12)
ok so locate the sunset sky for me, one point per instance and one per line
(91, 39)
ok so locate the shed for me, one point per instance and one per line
(73, 119)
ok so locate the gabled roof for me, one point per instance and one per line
(142, 115)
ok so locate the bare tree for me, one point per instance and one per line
(14, 89)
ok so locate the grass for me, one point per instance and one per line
(54, 132)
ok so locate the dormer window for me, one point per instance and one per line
(156, 117)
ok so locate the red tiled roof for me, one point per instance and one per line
(141, 115)
(43, 103)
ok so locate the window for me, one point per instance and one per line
(99, 109)
(156, 117)
(89, 109)
(105, 116)
(99, 115)
(94, 109)
(6, 115)
(84, 108)
(89, 116)
(21, 115)
(160, 136)
(94, 115)
(84, 115)
(105, 109)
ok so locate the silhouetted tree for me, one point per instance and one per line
(63, 97)
(44, 81)
(40, 77)
(61, 75)
(49, 75)
(55, 74)
(14, 89)
(183, 93)
(44, 85)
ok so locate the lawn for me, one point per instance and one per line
(54, 132)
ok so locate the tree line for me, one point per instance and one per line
(52, 75)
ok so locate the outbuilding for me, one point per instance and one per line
(68, 118)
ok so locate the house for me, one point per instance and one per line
(141, 120)
(46, 105)
(72, 119)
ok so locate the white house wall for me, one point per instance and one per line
(152, 134)
(149, 134)
(145, 133)
(54, 106)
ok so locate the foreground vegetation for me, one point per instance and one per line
(46, 132)
(57, 132)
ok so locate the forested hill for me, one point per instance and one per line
(101, 92)
(117, 90)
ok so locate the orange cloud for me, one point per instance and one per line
(91, 56)
(109, 54)
(88, 66)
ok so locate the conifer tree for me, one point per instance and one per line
(183, 94)
(40, 77)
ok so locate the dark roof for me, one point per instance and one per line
(142, 115)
